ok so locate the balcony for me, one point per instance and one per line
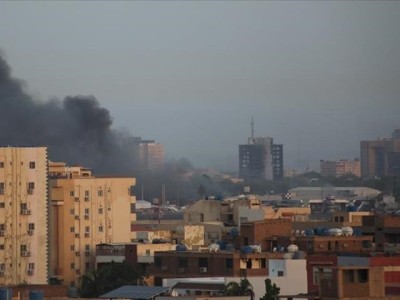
(25, 212)
(25, 253)
(30, 232)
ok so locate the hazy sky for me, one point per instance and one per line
(316, 76)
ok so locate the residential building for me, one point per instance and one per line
(85, 211)
(341, 167)
(381, 157)
(23, 215)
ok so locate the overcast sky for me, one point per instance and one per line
(316, 76)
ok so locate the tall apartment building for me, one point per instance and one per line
(337, 168)
(23, 215)
(85, 211)
(148, 153)
(381, 157)
(260, 158)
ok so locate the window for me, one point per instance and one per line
(362, 275)
(72, 211)
(101, 228)
(31, 185)
(72, 229)
(100, 210)
(3, 226)
(87, 266)
(32, 165)
(2, 267)
(280, 273)
(203, 262)
(23, 248)
(2, 205)
(229, 263)
(326, 274)
(87, 229)
(72, 266)
(1, 188)
(72, 247)
(86, 193)
(100, 193)
(148, 252)
(348, 276)
(87, 211)
(157, 262)
(31, 266)
(1, 164)
(1, 246)
(31, 226)
(87, 247)
(182, 262)
(72, 193)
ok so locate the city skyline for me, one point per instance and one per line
(317, 76)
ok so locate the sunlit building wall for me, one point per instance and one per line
(23, 215)
(86, 211)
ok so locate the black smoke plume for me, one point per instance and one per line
(76, 130)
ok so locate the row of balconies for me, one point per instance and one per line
(29, 232)
(87, 253)
(77, 217)
(29, 191)
(87, 199)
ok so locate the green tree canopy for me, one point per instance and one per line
(271, 290)
(108, 278)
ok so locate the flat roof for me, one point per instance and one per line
(135, 292)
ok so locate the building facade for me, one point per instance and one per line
(85, 211)
(339, 168)
(23, 215)
(148, 154)
(381, 157)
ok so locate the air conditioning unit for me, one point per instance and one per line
(30, 272)
(30, 232)
(30, 191)
(2, 232)
(77, 253)
(25, 254)
(164, 268)
(203, 270)
(86, 217)
(87, 234)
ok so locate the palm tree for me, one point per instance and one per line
(243, 288)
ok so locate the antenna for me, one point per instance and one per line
(252, 128)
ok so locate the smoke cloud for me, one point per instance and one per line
(76, 130)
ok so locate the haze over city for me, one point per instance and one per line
(318, 77)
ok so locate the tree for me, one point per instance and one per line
(271, 290)
(243, 288)
(108, 278)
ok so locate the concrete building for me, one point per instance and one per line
(381, 157)
(85, 211)
(261, 159)
(148, 153)
(23, 216)
(339, 168)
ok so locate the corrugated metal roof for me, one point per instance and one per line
(135, 292)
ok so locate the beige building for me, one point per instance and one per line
(151, 155)
(23, 215)
(85, 211)
(337, 168)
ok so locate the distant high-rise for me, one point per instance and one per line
(260, 158)
(23, 216)
(148, 153)
(381, 157)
